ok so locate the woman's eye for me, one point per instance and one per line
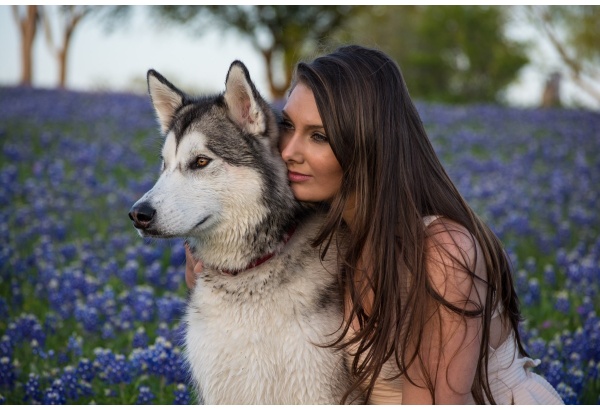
(285, 125)
(200, 162)
(317, 137)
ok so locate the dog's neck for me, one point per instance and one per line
(228, 251)
(264, 258)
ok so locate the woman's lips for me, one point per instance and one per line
(297, 177)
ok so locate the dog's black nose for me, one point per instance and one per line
(142, 215)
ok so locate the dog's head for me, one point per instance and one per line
(222, 176)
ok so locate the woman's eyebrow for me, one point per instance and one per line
(310, 127)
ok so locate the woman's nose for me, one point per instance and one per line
(291, 149)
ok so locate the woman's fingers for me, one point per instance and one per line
(192, 267)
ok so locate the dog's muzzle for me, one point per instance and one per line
(142, 215)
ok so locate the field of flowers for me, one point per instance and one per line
(90, 312)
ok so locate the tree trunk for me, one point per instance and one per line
(277, 91)
(62, 53)
(27, 28)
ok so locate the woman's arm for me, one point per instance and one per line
(192, 268)
(451, 342)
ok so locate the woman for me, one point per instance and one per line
(431, 312)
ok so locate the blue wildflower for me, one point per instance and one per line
(70, 382)
(54, 394)
(182, 396)
(145, 395)
(140, 338)
(128, 273)
(575, 377)
(33, 394)
(549, 275)
(3, 307)
(561, 302)
(170, 308)
(154, 275)
(6, 346)
(74, 345)
(174, 278)
(108, 331)
(566, 393)
(7, 373)
(555, 373)
(85, 369)
(163, 331)
(88, 317)
(586, 307)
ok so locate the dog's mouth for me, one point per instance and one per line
(201, 222)
(150, 231)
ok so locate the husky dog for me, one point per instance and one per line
(265, 304)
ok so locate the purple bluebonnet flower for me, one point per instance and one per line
(177, 255)
(174, 278)
(161, 359)
(151, 255)
(74, 345)
(50, 323)
(26, 327)
(178, 333)
(85, 370)
(566, 393)
(170, 308)
(108, 331)
(145, 395)
(33, 393)
(128, 273)
(8, 375)
(142, 302)
(70, 382)
(54, 394)
(88, 317)
(575, 377)
(586, 307)
(3, 306)
(163, 331)
(113, 369)
(561, 302)
(140, 338)
(555, 373)
(182, 396)
(6, 346)
(154, 275)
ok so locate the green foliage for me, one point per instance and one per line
(452, 54)
(282, 34)
(574, 34)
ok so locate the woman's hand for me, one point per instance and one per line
(192, 268)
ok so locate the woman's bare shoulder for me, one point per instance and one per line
(453, 258)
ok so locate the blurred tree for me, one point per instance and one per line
(574, 33)
(69, 18)
(452, 54)
(27, 19)
(282, 34)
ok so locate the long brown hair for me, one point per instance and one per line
(394, 177)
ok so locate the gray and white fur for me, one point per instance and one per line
(254, 336)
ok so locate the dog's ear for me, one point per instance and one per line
(166, 99)
(243, 100)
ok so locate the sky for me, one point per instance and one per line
(119, 60)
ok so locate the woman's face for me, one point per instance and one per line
(314, 172)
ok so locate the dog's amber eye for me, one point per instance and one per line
(200, 162)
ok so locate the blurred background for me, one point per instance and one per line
(90, 313)
(523, 56)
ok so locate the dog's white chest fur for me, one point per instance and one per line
(253, 338)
